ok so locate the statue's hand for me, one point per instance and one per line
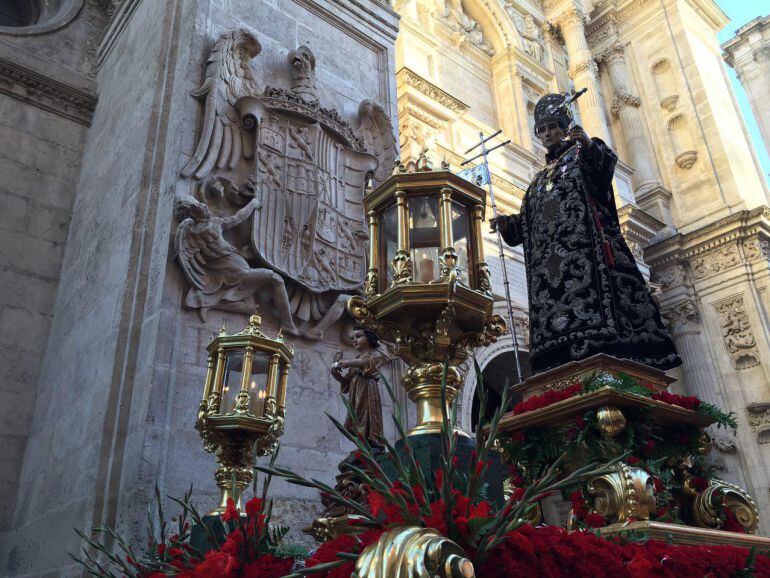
(578, 135)
(498, 224)
(255, 204)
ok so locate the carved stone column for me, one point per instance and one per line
(701, 378)
(582, 70)
(625, 108)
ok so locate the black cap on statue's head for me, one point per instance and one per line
(551, 107)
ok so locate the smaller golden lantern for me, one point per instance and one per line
(243, 407)
(427, 286)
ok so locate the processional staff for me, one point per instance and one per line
(486, 178)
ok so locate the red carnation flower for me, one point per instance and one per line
(687, 402)
(268, 566)
(595, 520)
(437, 519)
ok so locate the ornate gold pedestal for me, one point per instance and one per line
(688, 535)
(627, 492)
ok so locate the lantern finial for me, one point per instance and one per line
(256, 319)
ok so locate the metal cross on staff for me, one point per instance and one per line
(480, 175)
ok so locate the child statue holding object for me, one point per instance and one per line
(359, 379)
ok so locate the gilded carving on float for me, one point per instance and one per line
(413, 552)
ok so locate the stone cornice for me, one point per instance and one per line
(739, 226)
(51, 95)
(746, 36)
(641, 217)
(433, 92)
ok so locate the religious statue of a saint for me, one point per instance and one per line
(359, 379)
(586, 294)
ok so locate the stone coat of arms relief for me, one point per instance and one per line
(275, 207)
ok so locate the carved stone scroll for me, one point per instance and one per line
(737, 333)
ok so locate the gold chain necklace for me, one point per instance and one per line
(550, 169)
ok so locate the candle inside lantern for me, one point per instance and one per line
(424, 237)
(258, 385)
(232, 382)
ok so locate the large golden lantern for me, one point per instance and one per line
(243, 406)
(427, 286)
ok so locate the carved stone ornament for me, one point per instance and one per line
(724, 258)
(300, 169)
(529, 32)
(682, 318)
(623, 98)
(453, 14)
(686, 160)
(433, 92)
(755, 249)
(737, 333)
(671, 278)
(759, 420)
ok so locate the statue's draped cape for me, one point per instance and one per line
(586, 294)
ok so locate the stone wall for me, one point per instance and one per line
(122, 378)
(46, 102)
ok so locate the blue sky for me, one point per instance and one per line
(740, 12)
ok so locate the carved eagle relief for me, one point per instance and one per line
(306, 164)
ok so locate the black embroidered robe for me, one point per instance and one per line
(586, 295)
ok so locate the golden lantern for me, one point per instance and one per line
(427, 286)
(243, 406)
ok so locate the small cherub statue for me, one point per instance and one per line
(359, 378)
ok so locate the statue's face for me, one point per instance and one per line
(302, 59)
(360, 342)
(200, 212)
(550, 134)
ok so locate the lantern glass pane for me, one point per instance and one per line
(424, 237)
(258, 384)
(232, 382)
(461, 238)
(388, 245)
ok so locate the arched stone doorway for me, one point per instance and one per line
(498, 373)
(497, 364)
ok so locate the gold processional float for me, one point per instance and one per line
(428, 291)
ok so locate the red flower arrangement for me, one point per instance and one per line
(551, 552)
(688, 402)
(249, 548)
(547, 398)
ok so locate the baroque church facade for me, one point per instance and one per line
(171, 165)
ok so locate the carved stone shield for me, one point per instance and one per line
(311, 227)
